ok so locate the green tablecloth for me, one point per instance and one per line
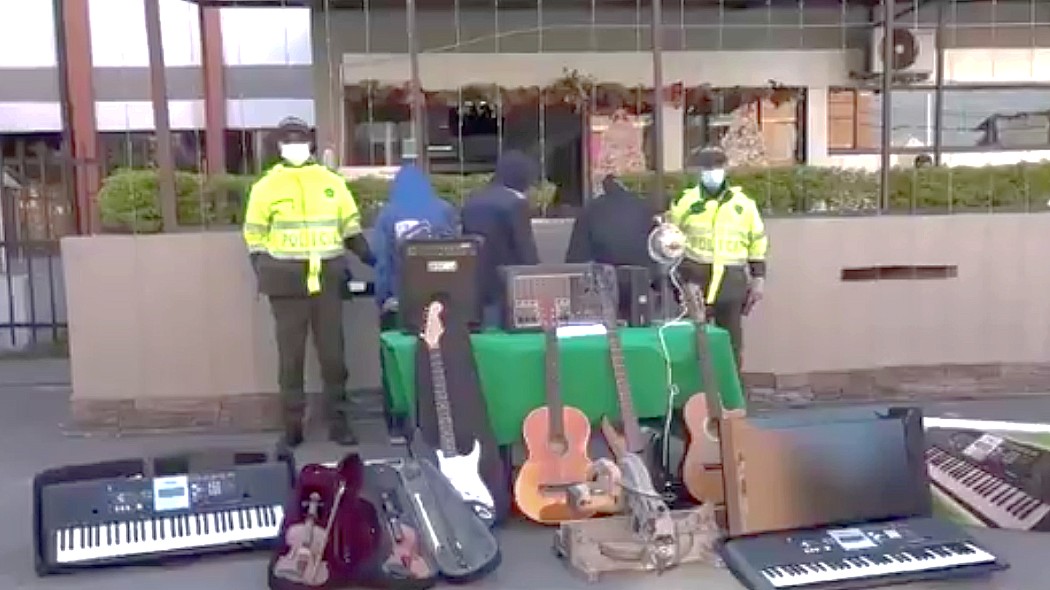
(511, 369)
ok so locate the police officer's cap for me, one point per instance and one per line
(711, 158)
(293, 130)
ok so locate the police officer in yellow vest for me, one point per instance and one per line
(726, 244)
(300, 220)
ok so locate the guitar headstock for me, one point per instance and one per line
(434, 326)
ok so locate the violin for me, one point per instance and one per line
(405, 558)
(304, 562)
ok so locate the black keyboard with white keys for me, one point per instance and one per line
(1002, 482)
(859, 556)
(122, 512)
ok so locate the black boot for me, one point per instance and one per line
(339, 429)
(293, 424)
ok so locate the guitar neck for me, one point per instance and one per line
(713, 396)
(632, 432)
(446, 430)
(554, 401)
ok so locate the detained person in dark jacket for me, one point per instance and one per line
(413, 210)
(499, 214)
(614, 229)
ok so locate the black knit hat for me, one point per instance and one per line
(711, 158)
(293, 130)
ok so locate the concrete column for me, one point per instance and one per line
(328, 88)
(78, 98)
(674, 138)
(817, 125)
(214, 89)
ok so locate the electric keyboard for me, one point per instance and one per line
(137, 511)
(858, 556)
(1003, 483)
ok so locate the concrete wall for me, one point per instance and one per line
(170, 325)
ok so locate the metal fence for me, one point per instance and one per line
(35, 212)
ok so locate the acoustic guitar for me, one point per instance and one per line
(556, 438)
(463, 471)
(702, 462)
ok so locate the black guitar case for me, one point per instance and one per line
(461, 544)
(471, 420)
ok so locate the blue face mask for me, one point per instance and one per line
(712, 179)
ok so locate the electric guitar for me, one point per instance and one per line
(556, 437)
(702, 413)
(463, 471)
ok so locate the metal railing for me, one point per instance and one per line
(35, 212)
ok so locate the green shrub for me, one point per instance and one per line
(129, 198)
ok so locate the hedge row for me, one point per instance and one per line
(129, 199)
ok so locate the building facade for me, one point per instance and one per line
(995, 59)
(266, 62)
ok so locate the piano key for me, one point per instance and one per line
(82, 544)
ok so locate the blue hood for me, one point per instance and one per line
(515, 170)
(413, 209)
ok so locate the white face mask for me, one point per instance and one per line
(295, 154)
(713, 179)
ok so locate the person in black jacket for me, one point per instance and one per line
(499, 214)
(614, 229)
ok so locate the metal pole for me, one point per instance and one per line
(82, 218)
(656, 31)
(161, 122)
(418, 99)
(938, 97)
(888, 54)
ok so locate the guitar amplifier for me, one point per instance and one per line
(445, 269)
(573, 288)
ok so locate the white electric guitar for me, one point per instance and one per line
(461, 470)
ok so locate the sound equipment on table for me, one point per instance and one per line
(446, 269)
(142, 510)
(637, 310)
(571, 286)
(1001, 482)
(702, 413)
(824, 501)
(556, 437)
(462, 470)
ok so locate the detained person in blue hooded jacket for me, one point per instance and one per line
(413, 210)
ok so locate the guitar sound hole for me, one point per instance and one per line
(558, 446)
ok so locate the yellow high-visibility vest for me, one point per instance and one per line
(301, 213)
(722, 232)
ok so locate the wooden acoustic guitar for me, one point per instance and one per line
(462, 471)
(556, 437)
(702, 413)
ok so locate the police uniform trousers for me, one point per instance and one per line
(728, 307)
(297, 314)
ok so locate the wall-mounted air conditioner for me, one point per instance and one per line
(914, 50)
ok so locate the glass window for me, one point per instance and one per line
(752, 128)
(1002, 117)
(855, 119)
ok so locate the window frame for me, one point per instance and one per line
(938, 131)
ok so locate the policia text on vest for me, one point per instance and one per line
(299, 222)
(725, 251)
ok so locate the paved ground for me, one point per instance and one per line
(33, 403)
